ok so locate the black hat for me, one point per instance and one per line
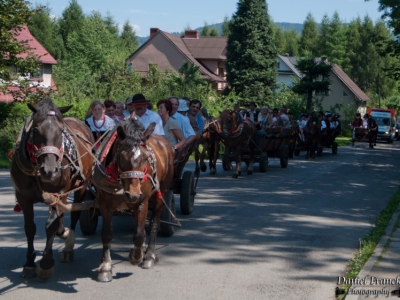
(366, 116)
(137, 98)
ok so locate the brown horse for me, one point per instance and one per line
(137, 176)
(51, 160)
(311, 136)
(210, 142)
(237, 135)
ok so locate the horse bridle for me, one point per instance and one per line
(59, 152)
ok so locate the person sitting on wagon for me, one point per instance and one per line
(172, 133)
(284, 119)
(182, 121)
(326, 123)
(302, 123)
(183, 109)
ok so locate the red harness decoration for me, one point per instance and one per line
(112, 171)
(29, 148)
(159, 195)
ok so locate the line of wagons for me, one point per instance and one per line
(284, 143)
(280, 143)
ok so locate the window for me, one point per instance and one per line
(221, 72)
(38, 76)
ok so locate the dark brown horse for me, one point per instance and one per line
(50, 161)
(237, 135)
(210, 144)
(137, 176)
(311, 136)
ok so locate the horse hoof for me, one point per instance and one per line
(149, 262)
(249, 172)
(29, 272)
(203, 168)
(240, 173)
(235, 175)
(65, 234)
(67, 256)
(44, 274)
(105, 276)
(133, 260)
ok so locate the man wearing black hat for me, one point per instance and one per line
(144, 115)
(372, 130)
(252, 113)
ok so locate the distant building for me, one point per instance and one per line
(43, 79)
(169, 52)
(343, 90)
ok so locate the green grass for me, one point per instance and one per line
(343, 141)
(371, 240)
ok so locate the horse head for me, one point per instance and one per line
(133, 158)
(45, 142)
(227, 120)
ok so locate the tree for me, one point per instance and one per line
(309, 36)
(41, 27)
(129, 38)
(251, 53)
(14, 14)
(111, 26)
(71, 21)
(225, 27)
(214, 31)
(315, 78)
(205, 31)
(336, 42)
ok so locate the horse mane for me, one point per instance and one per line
(43, 108)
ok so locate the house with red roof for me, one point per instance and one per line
(169, 52)
(343, 89)
(43, 79)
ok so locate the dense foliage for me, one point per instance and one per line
(251, 53)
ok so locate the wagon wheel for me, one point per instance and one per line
(166, 229)
(284, 157)
(187, 193)
(263, 163)
(89, 218)
(334, 148)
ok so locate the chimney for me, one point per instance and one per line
(153, 31)
(191, 34)
(287, 54)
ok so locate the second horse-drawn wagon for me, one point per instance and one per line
(183, 184)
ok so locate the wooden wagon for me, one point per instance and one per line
(184, 185)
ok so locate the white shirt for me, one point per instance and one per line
(184, 124)
(100, 126)
(150, 117)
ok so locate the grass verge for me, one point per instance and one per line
(371, 240)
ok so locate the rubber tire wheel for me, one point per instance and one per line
(167, 230)
(263, 163)
(187, 196)
(87, 220)
(334, 148)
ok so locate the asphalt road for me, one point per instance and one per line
(285, 234)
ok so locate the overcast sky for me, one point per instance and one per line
(175, 15)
